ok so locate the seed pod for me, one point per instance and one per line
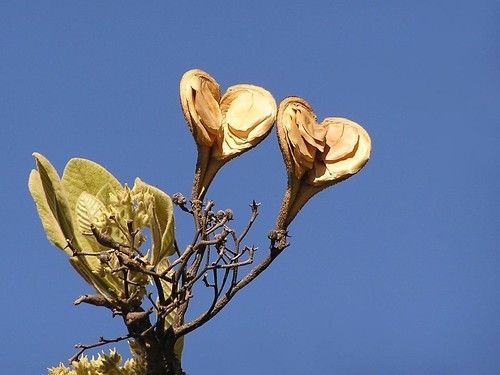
(223, 126)
(316, 155)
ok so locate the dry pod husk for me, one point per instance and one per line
(223, 126)
(316, 155)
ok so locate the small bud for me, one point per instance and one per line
(278, 238)
(178, 199)
(220, 215)
(229, 214)
(254, 206)
(272, 235)
(104, 257)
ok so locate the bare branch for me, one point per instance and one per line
(255, 208)
(278, 244)
(93, 299)
(102, 341)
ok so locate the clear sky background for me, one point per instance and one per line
(395, 271)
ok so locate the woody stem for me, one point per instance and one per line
(200, 170)
(287, 202)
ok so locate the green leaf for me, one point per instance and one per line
(55, 195)
(101, 284)
(88, 208)
(155, 235)
(58, 220)
(88, 186)
(165, 214)
(49, 221)
(90, 268)
(104, 192)
(84, 175)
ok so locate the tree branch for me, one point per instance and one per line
(278, 244)
(102, 341)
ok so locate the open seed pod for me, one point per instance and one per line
(316, 155)
(223, 126)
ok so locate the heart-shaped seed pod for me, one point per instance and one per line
(316, 155)
(223, 126)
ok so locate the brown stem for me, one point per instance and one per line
(94, 299)
(292, 189)
(277, 246)
(200, 170)
(102, 341)
(212, 169)
(159, 354)
(305, 193)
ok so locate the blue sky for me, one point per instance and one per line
(395, 271)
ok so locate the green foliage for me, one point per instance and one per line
(52, 203)
(162, 221)
(87, 197)
(81, 175)
(57, 219)
(100, 225)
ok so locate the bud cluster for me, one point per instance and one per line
(127, 208)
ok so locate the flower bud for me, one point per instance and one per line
(229, 214)
(178, 199)
(220, 215)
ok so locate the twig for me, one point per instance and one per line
(255, 212)
(278, 244)
(102, 341)
(93, 299)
